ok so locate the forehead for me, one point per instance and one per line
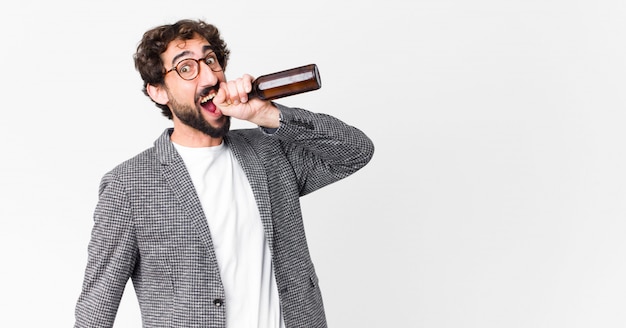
(180, 48)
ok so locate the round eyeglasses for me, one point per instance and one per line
(188, 69)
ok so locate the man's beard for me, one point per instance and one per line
(192, 117)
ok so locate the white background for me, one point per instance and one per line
(496, 196)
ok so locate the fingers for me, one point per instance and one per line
(236, 91)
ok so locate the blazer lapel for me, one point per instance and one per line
(255, 172)
(177, 177)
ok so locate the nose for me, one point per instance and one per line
(206, 75)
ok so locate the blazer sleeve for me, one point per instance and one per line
(321, 148)
(111, 257)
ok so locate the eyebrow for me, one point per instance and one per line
(182, 54)
(187, 52)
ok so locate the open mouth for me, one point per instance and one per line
(207, 103)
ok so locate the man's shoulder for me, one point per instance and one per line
(140, 164)
(148, 159)
(135, 173)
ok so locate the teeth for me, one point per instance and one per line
(207, 98)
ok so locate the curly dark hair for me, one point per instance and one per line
(155, 41)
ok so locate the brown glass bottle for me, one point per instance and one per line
(286, 83)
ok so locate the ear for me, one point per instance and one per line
(158, 94)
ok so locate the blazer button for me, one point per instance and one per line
(218, 302)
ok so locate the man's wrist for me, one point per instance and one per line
(269, 117)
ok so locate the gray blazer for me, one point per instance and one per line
(149, 225)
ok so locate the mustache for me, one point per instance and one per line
(206, 91)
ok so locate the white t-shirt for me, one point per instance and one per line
(241, 248)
